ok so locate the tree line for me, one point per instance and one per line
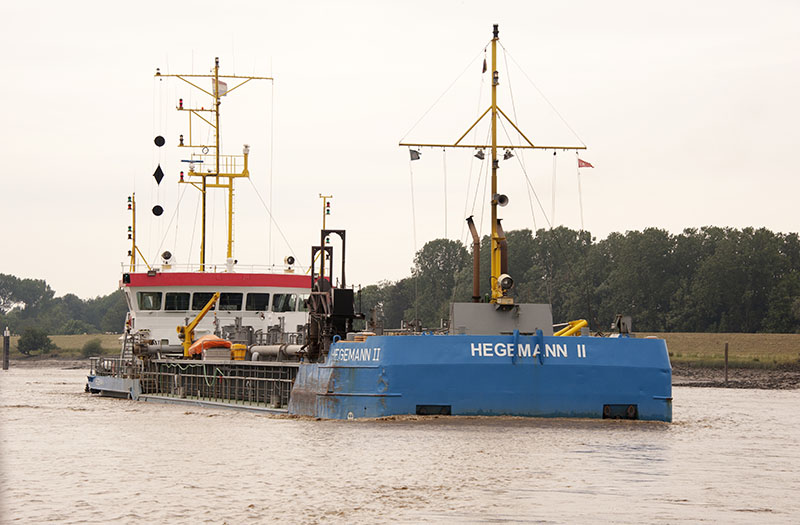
(30, 304)
(709, 279)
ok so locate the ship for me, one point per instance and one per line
(494, 356)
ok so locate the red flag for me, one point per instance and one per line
(584, 164)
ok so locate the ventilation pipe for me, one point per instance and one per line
(503, 245)
(476, 261)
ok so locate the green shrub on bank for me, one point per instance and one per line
(93, 347)
(35, 340)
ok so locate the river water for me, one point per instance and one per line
(730, 456)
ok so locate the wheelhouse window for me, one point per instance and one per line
(230, 301)
(257, 302)
(149, 300)
(176, 301)
(284, 302)
(302, 304)
(199, 300)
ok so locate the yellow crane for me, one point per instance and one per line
(186, 333)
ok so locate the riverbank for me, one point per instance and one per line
(780, 377)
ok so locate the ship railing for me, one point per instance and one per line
(115, 366)
(214, 268)
(262, 385)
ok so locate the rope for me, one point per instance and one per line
(539, 202)
(270, 254)
(169, 224)
(442, 95)
(277, 227)
(194, 223)
(463, 234)
(444, 168)
(544, 97)
(529, 186)
(553, 192)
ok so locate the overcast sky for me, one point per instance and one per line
(689, 111)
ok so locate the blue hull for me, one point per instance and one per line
(540, 376)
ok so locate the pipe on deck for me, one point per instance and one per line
(476, 261)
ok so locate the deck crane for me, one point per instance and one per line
(186, 333)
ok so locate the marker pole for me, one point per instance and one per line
(6, 347)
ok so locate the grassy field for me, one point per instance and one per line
(72, 345)
(744, 350)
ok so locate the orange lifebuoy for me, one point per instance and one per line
(631, 411)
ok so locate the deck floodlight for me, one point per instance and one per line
(246, 149)
(414, 154)
(507, 155)
(480, 155)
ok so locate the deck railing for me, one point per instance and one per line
(254, 384)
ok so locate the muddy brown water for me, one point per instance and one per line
(730, 456)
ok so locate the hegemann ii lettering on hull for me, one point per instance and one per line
(523, 350)
(356, 354)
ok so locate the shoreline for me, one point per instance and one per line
(784, 377)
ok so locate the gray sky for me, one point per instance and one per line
(689, 111)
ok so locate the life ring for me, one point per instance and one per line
(631, 411)
(606, 411)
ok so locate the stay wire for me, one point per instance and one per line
(469, 64)
(169, 225)
(444, 169)
(277, 226)
(529, 185)
(505, 51)
(463, 234)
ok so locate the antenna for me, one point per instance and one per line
(226, 168)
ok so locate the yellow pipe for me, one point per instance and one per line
(572, 327)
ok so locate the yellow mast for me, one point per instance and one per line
(325, 207)
(226, 167)
(498, 293)
(495, 251)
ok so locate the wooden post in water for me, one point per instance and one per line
(726, 364)
(6, 347)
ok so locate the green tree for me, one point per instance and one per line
(75, 326)
(33, 340)
(434, 276)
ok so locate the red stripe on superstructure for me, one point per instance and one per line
(219, 279)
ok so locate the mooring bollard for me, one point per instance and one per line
(726, 364)
(6, 347)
